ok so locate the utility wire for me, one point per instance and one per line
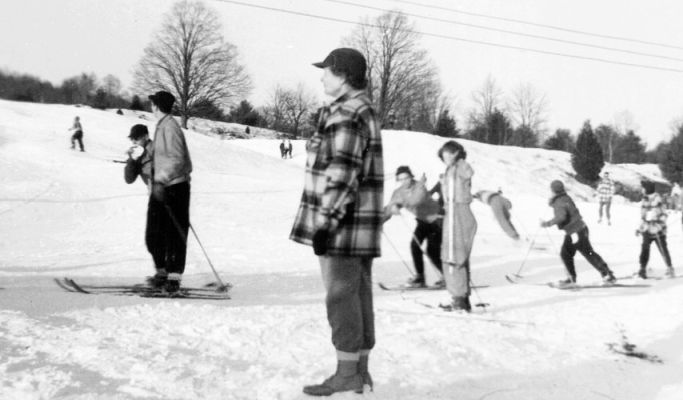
(547, 26)
(530, 35)
(455, 38)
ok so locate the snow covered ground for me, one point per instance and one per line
(66, 213)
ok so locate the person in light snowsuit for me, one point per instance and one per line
(459, 225)
(340, 215)
(413, 196)
(568, 219)
(77, 136)
(605, 193)
(169, 205)
(653, 228)
(500, 206)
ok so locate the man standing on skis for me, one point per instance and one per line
(568, 218)
(168, 215)
(412, 195)
(605, 193)
(653, 228)
(340, 215)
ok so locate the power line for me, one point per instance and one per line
(511, 32)
(454, 38)
(558, 28)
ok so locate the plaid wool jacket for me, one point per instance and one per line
(653, 215)
(344, 179)
(605, 190)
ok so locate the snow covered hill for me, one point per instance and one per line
(67, 213)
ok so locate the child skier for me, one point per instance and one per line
(568, 218)
(653, 228)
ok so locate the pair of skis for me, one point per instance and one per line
(141, 290)
(516, 279)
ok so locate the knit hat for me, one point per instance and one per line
(557, 187)
(138, 131)
(404, 169)
(649, 186)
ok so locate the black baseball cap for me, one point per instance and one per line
(347, 60)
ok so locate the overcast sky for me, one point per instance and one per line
(59, 39)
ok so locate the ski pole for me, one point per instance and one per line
(397, 253)
(222, 287)
(417, 242)
(531, 245)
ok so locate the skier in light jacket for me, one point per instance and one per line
(653, 229)
(459, 225)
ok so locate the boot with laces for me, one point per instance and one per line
(345, 379)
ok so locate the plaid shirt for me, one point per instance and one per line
(344, 180)
(653, 214)
(606, 190)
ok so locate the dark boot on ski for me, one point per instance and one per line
(418, 281)
(157, 282)
(641, 274)
(440, 284)
(608, 279)
(364, 372)
(459, 304)
(172, 287)
(670, 273)
(345, 379)
(566, 283)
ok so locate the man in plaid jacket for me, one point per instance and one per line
(653, 228)
(605, 193)
(341, 213)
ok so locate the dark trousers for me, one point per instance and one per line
(77, 137)
(432, 233)
(583, 245)
(168, 223)
(348, 286)
(660, 240)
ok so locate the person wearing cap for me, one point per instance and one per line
(340, 215)
(459, 225)
(168, 218)
(139, 162)
(568, 219)
(77, 136)
(652, 229)
(605, 193)
(412, 195)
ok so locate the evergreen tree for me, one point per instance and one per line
(523, 136)
(446, 125)
(629, 149)
(672, 163)
(136, 104)
(587, 158)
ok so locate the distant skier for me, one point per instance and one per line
(288, 148)
(283, 149)
(77, 136)
(459, 225)
(413, 196)
(500, 206)
(605, 193)
(568, 218)
(653, 228)
(168, 217)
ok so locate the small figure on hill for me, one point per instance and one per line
(77, 135)
(605, 193)
(500, 206)
(119, 112)
(652, 229)
(459, 225)
(247, 130)
(568, 219)
(283, 149)
(288, 148)
(412, 195)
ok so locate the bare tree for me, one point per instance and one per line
(528, 108)
(111, 85)
(486, 100)
(400, 74)
(289, 108)
(189, 58)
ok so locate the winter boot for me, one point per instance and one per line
(642, 273)
(345, 379)
(565, 283)
(440, 284)
(459, 304)
(608, 279)
(418, 281)
(158, 281)
(670, 273)
(172, 287)
(363, 371)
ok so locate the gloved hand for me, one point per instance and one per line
(321, 237)
(638, 232)
(158, 191)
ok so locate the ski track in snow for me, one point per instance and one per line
(70, 213)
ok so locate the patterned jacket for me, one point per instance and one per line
(606, 190)
(653, 214)
(344, 179)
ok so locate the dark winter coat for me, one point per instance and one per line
(567, 216)
(142, 166)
